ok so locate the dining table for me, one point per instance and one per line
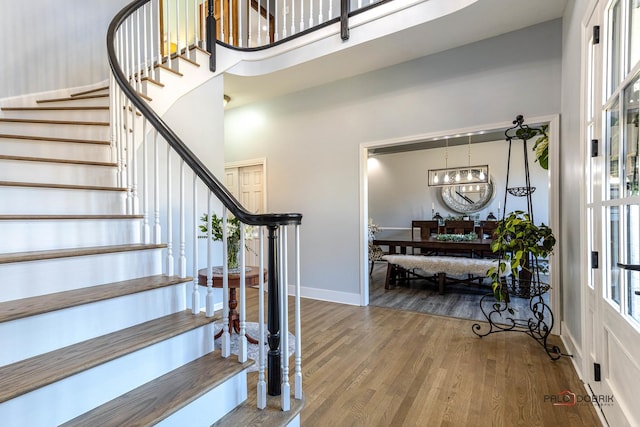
(398, 241)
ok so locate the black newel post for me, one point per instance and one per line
(273, 315)
(211, 36)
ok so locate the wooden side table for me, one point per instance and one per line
(252, 278)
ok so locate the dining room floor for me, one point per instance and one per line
(420, 295)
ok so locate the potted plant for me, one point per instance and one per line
(233, 235)
(520, 243)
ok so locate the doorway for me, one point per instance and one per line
(545, 205)
(247, 183)
(611, 291)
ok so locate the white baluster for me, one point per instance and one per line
(167, 37)
(195, 294)
(222, 20)
(169, 261)
(231, 29)
(240, 41)
(311, 14)
(275, 20)
(298, 326)
(133, 169)
(301, 16)
(209, 301)
(177, 30)
(186, 28)
(146, 231)
(158, 39)
(284, 20)
(145, 40)
(262, 384)
(320, 19)
(293, 17)
(138, 51)
(285, 402)
(157, 229)
(122, 182)
(182, 258)
(242, 339)
(226, 337)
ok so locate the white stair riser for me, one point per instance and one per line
(56, 150)
(57, 173)
(41, 235)
(33, 278)
(211, 406)
(100, 115)
(35, 335)
(94, 133)
(51, 405)
(61, 201)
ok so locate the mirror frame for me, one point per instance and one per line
(450, 201)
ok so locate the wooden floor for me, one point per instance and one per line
(375, 366)
(459, 300)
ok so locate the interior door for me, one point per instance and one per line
(247, 184)
(613, 209)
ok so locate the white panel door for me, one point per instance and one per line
(612, 303)
(248, 185)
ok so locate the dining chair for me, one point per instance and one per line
(427, 229)
(459, 226)
(486, 229)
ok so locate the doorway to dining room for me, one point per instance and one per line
(395, 192)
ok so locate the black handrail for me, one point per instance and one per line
(227, 199)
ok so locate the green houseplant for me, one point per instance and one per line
(518, 241)
(233, 235)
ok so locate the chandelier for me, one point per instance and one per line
(469, 177)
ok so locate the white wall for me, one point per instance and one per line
(398, 191)
(311, 139)
(571, 172)
(51, 45)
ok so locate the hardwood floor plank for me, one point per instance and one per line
(375, 366)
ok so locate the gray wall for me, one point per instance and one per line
(398, 191)
(311, 138)
(49, 44)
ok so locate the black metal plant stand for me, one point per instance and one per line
(528, 285)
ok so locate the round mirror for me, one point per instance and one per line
(467, 198)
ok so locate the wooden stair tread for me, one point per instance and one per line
(73, 252)
(91, 108)
(59, 186)
(54, 139)
(36, 217)
(53, 122)
(32, 306)
(53, 160)
(73, 98)
(247, 414)
(171, 70)
(156, 400)
(90, 91)
(38, 371)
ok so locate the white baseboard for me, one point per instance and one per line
(327, 295)
(573, 348)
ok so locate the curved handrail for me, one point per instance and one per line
(227, 199)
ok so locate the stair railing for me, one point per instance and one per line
(154, 162)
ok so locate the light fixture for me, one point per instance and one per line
(474, 175)
(226, 100)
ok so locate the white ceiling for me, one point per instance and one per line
(481, 20)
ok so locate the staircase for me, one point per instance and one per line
(93, 333)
